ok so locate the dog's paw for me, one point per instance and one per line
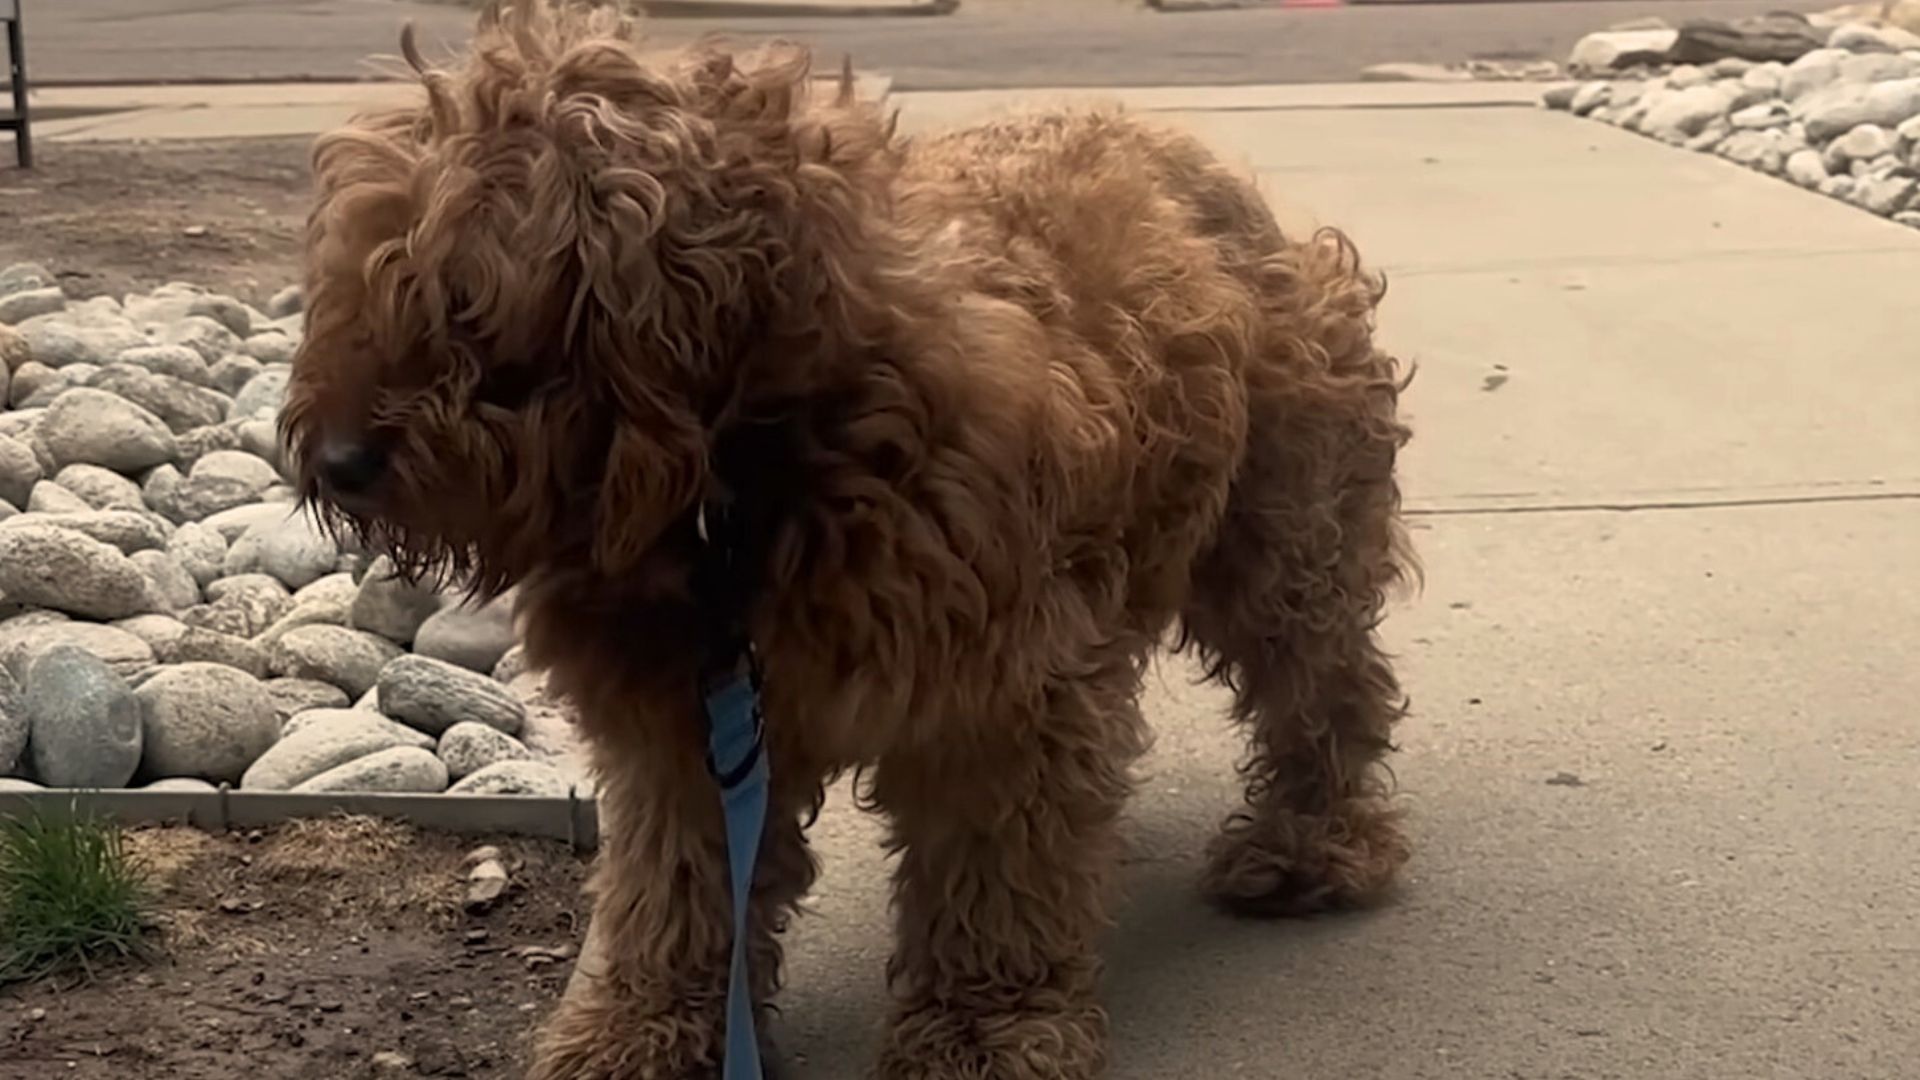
(611, 1040)
(1289, 864)
(942, 1044)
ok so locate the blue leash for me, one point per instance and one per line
(737, 759)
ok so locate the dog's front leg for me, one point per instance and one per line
(649, 1001)
(1009, 847)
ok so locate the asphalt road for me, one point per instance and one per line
(990, 43)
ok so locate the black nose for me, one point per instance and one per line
(351, 467)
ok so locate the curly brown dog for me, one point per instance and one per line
(995, 411)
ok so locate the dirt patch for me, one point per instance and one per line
(315, 951)
(115, 217)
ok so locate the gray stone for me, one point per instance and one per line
(232, 373)
(324, 603)
(1560, 97)
(1863, 143)
(20, 277)
(473, 638)
(468, 747)
(204, 720)
(179, 404)
(126, 530)
(1811, 72)
(174, 361)
(1837, 187)
(288, 301)
(1861, 38)
(161, 633)
(402, 734)
(1680, 115)
(1909, 218)
(52, 567)
(58, 343)
(349, 659)
(201, 552)
(400, 769)
(1805, 168)
(173, 587)
(101, 489)
(201, 441)
(1754, 149)
(224, 310)
(201, 334)
(243, 605)
(98, 428)
(1765, 77)
(1876, 67)
(50, 499)
(528, 778)
(1589, 97)
(261, 398)
(261, 438)
(201, 645)
(13, 723)
(1840, 108)
(295, 551)
(389, 606)
(1769, 114)
(327, 738)
(14, 351)
(432, 696)
(21, 306)
(270, 348)
(122, 651)
(292, 697)
(1731, 67)
(1686, 76)
(233, 524)
(180, 785)
(36, 384)
(83, 722)
(1616, 50)
(1779, 36)
(1885, 195)
(512, 665)
(19, 471)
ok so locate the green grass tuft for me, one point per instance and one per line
(69, 895)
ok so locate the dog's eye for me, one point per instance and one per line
(508, 386)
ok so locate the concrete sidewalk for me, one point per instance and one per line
(1662, 767)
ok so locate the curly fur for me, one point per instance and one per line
(999, 410)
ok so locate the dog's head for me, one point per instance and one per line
(532, 297)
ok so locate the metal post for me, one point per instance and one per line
(17, 66)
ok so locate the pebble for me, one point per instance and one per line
(200, 550)
(23, 305)
(179, 404)
(127, 653)
(48, 497)
(101, 489)
(261, 398)
(197, 643)
(13, 723)
(176, 361)
(390, 606)
(293, 550)
(19, 470)
(243, 606)
(292, 697)
(126, 530)
(173, 588)
(487, 882)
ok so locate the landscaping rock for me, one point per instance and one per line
(291, 697)
(390, 606)
(198, 644)
(329, 738)
(125, 652)
(1617, 50)
(349, 659)
(179, 404)
(243, 606)
(126, 530)
(204, 720)
(13, 723)
(200, 550)
(400, 769)
(468, 747)
(472, 638)
(97, 428)
(1779, 36)
(261, 398)
(172, 587)
(19, 471)
(293, 550)
(176, 361)
(528, 778)
(53, 567)
(83, 722)
(433, 695)
(101, 489)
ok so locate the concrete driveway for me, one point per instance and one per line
(1665, 762)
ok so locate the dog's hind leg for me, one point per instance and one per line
(1285, 605)
(1008, 850)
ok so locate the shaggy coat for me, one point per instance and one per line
(989, 415)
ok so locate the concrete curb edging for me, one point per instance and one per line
(574, 819)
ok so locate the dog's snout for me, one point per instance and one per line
(351, 466)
